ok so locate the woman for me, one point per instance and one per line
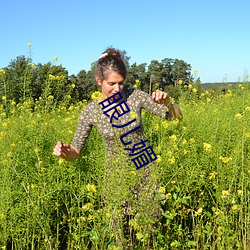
(113, 123)
(110, 74)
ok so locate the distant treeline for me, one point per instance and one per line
(217, 85)
(23, 79)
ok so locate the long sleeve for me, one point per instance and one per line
(148, 104)
(84, 127)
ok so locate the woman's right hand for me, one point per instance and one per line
(62, 149)
(66, 151)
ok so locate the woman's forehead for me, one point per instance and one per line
(114, 77)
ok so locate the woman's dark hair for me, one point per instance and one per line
(110, 60)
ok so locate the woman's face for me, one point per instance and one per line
(113, 84)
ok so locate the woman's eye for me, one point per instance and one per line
(112, 84)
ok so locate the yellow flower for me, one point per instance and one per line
(171, 160)
(207, 147)
(96, 96)
(168, 196)
(195, 71)
(191, 140)
(2, 72)
(50, 97)
(190, 86)
(135, 86)
(162, 190)
(194, 90)
(60, 161)
(156, 127)
(235, 207)
(3, 97)
(218, 212)
(225, 159)
(56, 58)
(51, 77)
(180, 82)
(239, 192)
(159, 159)
(2, 217)
(198, 212)
(246, 108)
(175, 122)
(247, 135)
(212, 175)
(87, 207)
(184, 141)
(73, 85)
(90, 217)
(81, 219)
(37, 149)
(91, 188)
(134, 115)
(133, 173)
(29, 44)
(238, 116)
(173, 137)
(137, 80)
(225, 193)
(164, 124)
(108, 215)
(4, 124)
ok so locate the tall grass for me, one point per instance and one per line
(203, 166)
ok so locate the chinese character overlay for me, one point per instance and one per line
(118, 110)
(145, 155)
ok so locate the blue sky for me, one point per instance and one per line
(212, 36)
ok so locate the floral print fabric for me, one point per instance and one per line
(92, 115)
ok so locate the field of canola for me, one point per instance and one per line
(203, 166)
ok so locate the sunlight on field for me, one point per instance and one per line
(203, 166)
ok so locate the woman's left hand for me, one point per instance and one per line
(161, 97)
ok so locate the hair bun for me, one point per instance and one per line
(103, 55)
(111, 52)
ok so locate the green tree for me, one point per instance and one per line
(168, 72)
(138, 73)
(86, 84)
(181, 71)
(18, 79)
(52, 80)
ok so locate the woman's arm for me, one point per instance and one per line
(70, 152)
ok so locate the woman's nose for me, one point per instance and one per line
(116, 87)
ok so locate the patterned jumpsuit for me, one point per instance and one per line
(123, 185)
